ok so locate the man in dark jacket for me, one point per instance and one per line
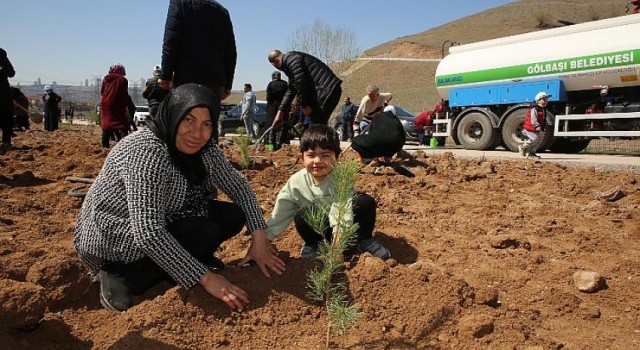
(6, 102)
(51, 102)
(385, 138)
(348, 114)
(317, 87)
(199, 47)
(276, 89)
(153, 92)
(21, 109)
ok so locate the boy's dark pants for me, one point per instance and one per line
(364, 214)
(199, 236)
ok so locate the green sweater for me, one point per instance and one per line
(300, 192)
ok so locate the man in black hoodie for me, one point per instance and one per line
(317, 87)
(199, 47)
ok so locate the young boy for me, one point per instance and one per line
(319, 150)
(534, 126)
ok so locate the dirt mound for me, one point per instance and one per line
(483, 254)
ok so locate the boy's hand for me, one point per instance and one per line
(263, 254)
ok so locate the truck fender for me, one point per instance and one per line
(495, 121)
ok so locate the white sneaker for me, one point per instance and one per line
(522, 151)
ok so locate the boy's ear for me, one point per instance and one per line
(300, 156)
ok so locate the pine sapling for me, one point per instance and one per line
(243, 141)
(323, 281)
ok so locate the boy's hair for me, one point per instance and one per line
(320, 136)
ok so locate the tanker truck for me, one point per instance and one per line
(591, 70)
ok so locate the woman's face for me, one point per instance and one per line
(194, 131)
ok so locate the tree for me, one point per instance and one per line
(334, 46)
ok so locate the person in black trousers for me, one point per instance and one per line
(199, 46)
(276, 89)
(317, 87)
(149, 216)
(6, 102)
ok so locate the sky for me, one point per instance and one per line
(68, 41)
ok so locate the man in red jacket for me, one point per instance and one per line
(423, 125)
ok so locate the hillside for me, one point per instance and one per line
(412, 83)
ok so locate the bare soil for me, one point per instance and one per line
(483, 257)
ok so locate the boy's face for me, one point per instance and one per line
(319, 162)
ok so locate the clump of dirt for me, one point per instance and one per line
(483, 254)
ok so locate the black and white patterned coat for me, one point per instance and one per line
(138, 192)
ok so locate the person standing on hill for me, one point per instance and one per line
(199, 47)
(114, 101)
(317, 87)
(153, 92)
(51, 102)
(534, 126)
(6, 102)
(276, 89)
(371, 104)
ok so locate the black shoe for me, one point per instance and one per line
(214, 264)
(114, 293)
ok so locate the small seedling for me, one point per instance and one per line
(243, 141)
(323, 281)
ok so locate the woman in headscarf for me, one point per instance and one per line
(147, 217)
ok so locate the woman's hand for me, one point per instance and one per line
(263, 254)
(219, 287)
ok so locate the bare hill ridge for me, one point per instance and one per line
(412, 83)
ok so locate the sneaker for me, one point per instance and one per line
(372, 246)
(114, 293)
(309, 251)
(523, 152)
(533, 155)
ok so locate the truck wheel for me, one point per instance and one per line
(512, 129)
(567, 145)
(476, 132)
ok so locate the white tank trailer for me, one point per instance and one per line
(592, 71)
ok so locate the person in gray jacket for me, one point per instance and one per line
(248, 111)
(148, 218)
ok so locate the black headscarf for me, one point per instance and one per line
(172, 111)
